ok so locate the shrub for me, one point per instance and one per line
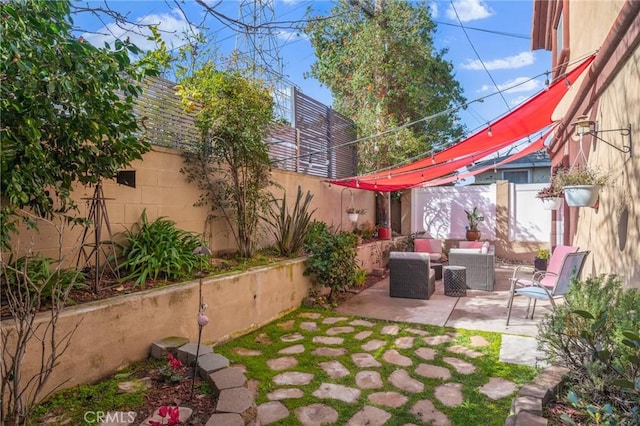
(40, 277)
(158, 250)
(360, 277)
(27, 285)
(332, 259)
(366, 230)
(595, 334)
(287, 228)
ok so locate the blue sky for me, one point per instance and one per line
(503, 47)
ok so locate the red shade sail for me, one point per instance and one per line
(529, 118)
(537, 145)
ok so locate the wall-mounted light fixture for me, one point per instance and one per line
(584, 126)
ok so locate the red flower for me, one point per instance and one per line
(174, 415)
(173, 362)
(164, 411)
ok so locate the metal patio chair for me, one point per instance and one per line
(525, 275)
(570, 269)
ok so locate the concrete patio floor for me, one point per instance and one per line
(478, 310)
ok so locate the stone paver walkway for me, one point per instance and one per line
(358, 378)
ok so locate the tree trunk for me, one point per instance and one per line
(382, 209)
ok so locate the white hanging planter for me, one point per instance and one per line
(353, 217)
(581, 195)
(551, 203)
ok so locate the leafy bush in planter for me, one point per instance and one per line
(595, 334)
(332, 257)
(158, 250)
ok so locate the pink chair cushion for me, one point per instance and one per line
(422, 245)
(557, 257)
(555, 264)
(428, 245)
(470, 244)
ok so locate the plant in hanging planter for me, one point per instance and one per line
(581, 185)
(551, 196)
(353, 210)
(551, 191)
(473, 217)
(353, 213)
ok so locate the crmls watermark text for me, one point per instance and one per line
(92, 417)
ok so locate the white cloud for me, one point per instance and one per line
(172, 27)
(510, 62)
(290, 36)
(469, 10)
(517, 85)
(433, 9)
(517, 101)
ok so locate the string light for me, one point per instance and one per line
(546, 82)
(375, 184)
(397, 140)
(568, 83)
(489, 132)
(375, 147)
(389, 175)
(357, 183)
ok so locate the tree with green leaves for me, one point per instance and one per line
(230, 163)
(379, 60)
(67, 110)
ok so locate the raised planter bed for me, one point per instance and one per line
(115, 332)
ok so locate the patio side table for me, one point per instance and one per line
(437, 268)
(455, 281)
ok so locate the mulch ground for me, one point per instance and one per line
(178, 394)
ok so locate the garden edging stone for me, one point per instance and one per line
(236, 403)
(527, 406)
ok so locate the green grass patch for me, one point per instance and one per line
(73, 403)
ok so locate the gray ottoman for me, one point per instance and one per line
(410, 275)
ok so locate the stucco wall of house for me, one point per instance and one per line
(610, 232)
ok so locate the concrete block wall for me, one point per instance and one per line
(162, 190)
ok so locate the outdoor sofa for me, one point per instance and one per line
(480, 264)
(410, 275)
